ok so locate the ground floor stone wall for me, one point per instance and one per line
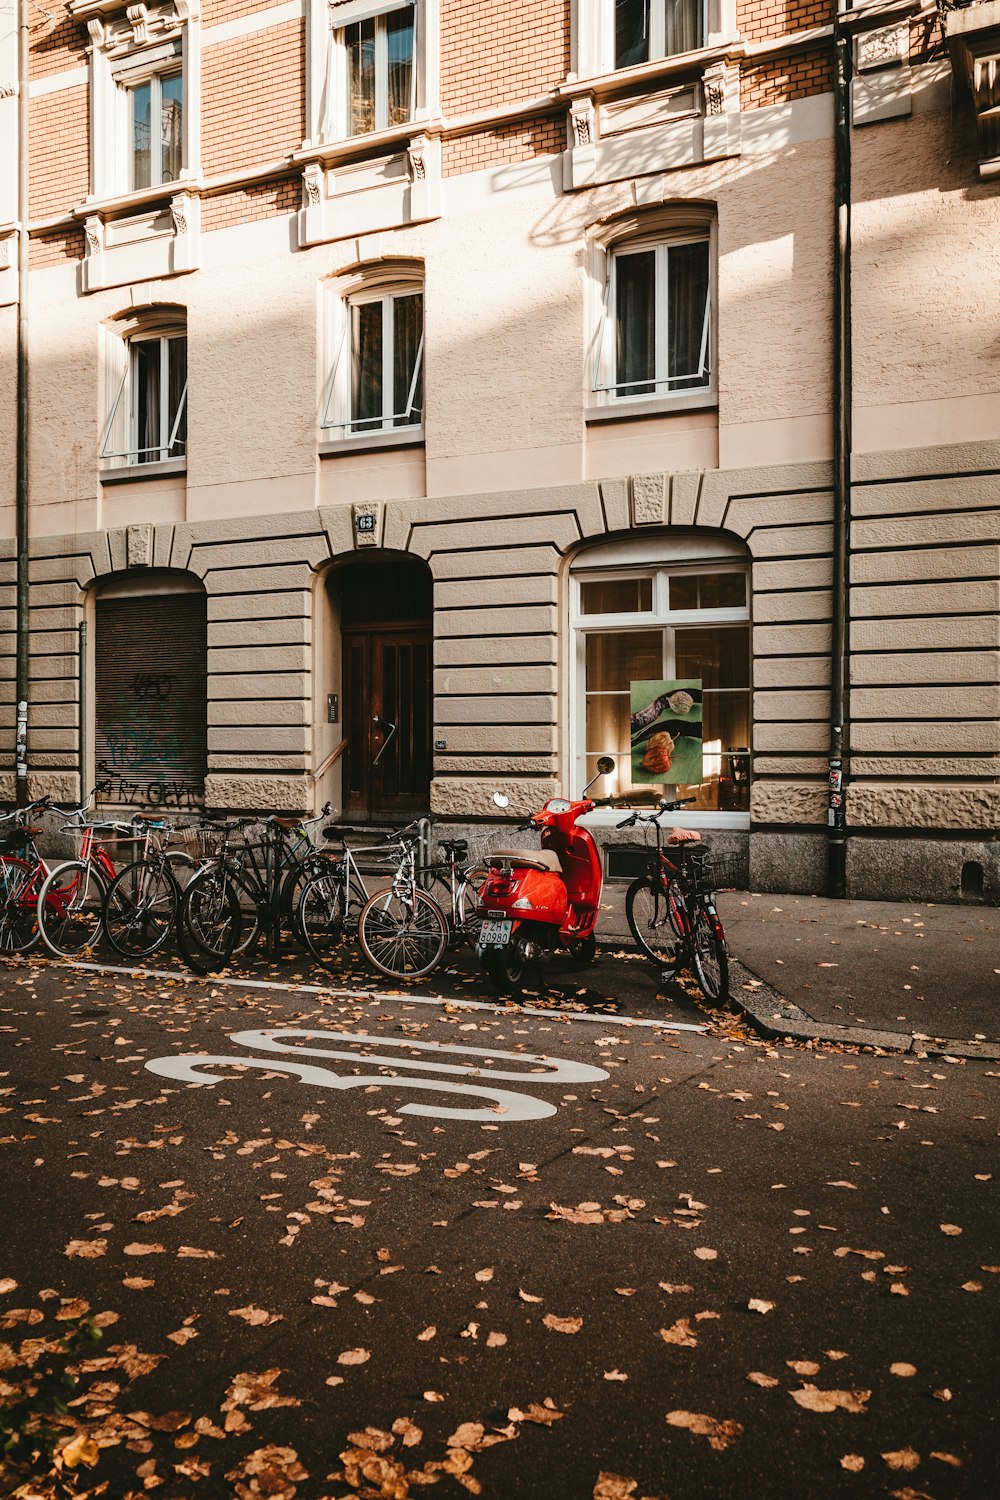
(923, 796)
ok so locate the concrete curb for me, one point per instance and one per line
(776, 1017)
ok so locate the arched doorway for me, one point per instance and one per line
(385, 604)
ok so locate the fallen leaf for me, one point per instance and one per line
(758, 1305)
(823, 1401)
(7, 1284)
(947, 1458)
(902, 1369)
(354, 1357)
(408, 1431)
(949, 1229)
(256, 1316)
(902, 1458)
(614, 1486)
(757, 1377)
(79, 1450)
(428, 1333)
(495, 1340)
(182, 1335)
(486, 1274)
(544, 1414)
(137, 1283)
(562, 1325)
(803, 1366)
(433, 1396)
(614, 1375)
(527, 1297)
(853, 1462)
(680, 1333)
(703, 1253)
(719, 1433)
(85, 1249)
(137, 1248)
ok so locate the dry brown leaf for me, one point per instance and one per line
(257, 1317)
(189, 1252)
(672, 1287)
(80, 1449)
(758, 1305)
(7, 1284)
(373, 1439)
(433, 1396)
(614, 1486)
(680, 1333)
(902, 1368)
(810, 1399)
(408, 1431)
(467, 1435)
(85, 1249)
(703, 1253)
(182, 1335)
(354, 1357)
(803, 1366)
(852, 1462)
(951, 1229)
(562, 1325)
(719, 1433)
(137, 1248)
(486, 1274)
(614, 1375)
(527, 1297)
(902, 1458)
(495, 1340)
(544, 1414)
(137, 1283)
(428, 1333)
(947, 1458)
(757, 1377)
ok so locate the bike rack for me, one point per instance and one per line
(424, 850)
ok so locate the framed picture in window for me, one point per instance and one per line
(666, 731)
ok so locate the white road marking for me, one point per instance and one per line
(394, 1071)
(384, 996)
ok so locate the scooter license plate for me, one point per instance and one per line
(495, 934)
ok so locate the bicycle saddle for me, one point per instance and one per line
(683, 836)
(455, 848)
(287, 823)
(533, 859)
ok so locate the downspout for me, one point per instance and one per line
(842, 403)
(21, 496)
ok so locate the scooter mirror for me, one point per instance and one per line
(501, 800)
(605, 765)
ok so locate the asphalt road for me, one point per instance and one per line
(685, 1259)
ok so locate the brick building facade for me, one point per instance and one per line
(456, 365)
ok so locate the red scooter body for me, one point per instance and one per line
(527, 908)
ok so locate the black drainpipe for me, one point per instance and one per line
(21, 494)
(842, 402)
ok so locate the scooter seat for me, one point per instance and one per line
(532, 859)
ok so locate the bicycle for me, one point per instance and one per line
(671, 909)
(21, 869)
(140, 906)
(248, 890)
(402, 931)
(70, 907)
(331, 902)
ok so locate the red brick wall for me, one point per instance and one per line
(214, 12)
(759, 20)
(60, 151)
(261, 200)
(56, 246)
(499, 53)
(57, 45)
(778, 80)
(252, 98)
(518, 141)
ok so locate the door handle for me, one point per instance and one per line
(383, 725)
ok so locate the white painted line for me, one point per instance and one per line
(383, 996)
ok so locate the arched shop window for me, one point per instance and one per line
(661, 630)
(151, 684)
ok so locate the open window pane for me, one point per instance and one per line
(687, 307)
(408, 323)
(360, 40)
(171, 126)
(399, 40)
(635, 320)
(631, 32)
(366, 393)
(146, 369)
(615, 596)
(177, 395)
(141, 132)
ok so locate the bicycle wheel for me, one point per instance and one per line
(19, 930)
(141, 908)
(314, 868)
(71, 908)
(319, 916)
(468, 909)
(208, 922)
(647, 910)
(710, 959)
(401, 939)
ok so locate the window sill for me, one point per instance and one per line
(136, 198)
(610, 817)
(370, 442)
(657, 406)
(129, 473)
(649, 73)
(345, 147)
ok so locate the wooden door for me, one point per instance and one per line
(387, 693)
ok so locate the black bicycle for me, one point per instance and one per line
(671, 908)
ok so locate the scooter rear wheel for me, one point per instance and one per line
(507, 971)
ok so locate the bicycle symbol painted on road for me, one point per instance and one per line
(506, 1105)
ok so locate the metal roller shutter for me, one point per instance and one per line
(151, 680)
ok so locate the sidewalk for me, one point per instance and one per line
(887, 974)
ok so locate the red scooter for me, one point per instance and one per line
(537, 900)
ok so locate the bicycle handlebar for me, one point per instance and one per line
(654, 817)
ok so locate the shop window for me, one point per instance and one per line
(374, 383)
(682, 621)
(146, 364)
(150, 673)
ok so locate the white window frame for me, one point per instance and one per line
(337, 425)
(327, 67)
(681, 556)
(131, 46)
(119, 446)
(153, 77)
(593, 39)
(674, 226)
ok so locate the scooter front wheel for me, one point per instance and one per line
(506, 969)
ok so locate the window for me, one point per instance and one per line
(144, 82)
(376, 380)
(156, 119)
(380, 71)
(654, 339)
(147, 418)
(648, 29)
(685, 621)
